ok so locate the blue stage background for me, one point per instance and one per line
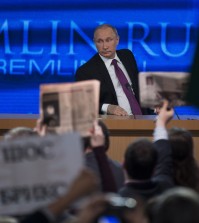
(45, 41)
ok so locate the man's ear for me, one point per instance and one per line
(118, 40)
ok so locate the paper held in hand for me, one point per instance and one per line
(34, 171)
(67, 107)
(156, 86)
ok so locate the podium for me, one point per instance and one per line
(126, 129)
(123, 129)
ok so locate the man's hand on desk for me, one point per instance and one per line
(116, 110)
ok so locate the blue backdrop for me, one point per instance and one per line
(44, 41)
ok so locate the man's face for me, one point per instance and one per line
(106, 42)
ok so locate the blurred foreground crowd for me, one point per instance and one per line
(158, 181)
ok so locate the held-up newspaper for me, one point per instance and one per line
(67, 107)
(156, 86)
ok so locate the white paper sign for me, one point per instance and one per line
(34, 171)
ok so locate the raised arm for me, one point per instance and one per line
(164, 167)
(97, 143)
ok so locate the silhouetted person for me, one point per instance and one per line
(186, 170)
(149, 165)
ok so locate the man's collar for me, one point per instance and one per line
(108, 61)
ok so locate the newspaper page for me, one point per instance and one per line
(156, 86)
(34, 171)
(70, 107)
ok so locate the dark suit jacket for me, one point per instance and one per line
(96, 69)
(162, 179)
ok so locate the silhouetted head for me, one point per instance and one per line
(181, 143)
(177, 205)
(186, 170)
(140, 159)
(19, 132)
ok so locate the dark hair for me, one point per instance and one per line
(177, 205)
(106, 134)
(19, 132)
(140, 159)
(183, 158)
(86, 140)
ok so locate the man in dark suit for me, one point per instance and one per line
(148, 165)
(113, 100)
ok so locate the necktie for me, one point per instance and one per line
(135, 107)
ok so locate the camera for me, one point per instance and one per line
(115, 210)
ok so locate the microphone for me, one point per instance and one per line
(129, 87)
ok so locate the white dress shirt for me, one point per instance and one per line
(160, 132)
(121, 97)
